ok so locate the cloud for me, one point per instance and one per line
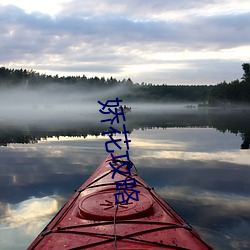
(148, 10)
(94, 38)
(115, 30)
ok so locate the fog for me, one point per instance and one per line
(53, 103)
(64, 103)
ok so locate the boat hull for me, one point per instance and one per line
(92, 220)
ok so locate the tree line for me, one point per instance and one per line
(236, 91)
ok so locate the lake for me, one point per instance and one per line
(198, 160)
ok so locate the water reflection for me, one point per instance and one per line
(233, 121)
(20, 222)
(193, 161)
(29, 210)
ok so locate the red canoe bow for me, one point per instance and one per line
(92, 220)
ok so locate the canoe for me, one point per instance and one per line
(125, 110)
(96, 218)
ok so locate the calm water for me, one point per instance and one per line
(193, 158)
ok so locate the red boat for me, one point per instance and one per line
(91, 219)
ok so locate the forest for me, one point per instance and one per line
(224, 93)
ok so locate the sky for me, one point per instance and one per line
(152, 41)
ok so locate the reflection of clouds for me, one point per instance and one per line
(203, 144)
(59, 157)
(212, 176)
(22, 222)
(227, 240)
(29, 212)
(222, 219)
(154, 156)
(211, 180)
(237, 156)
(186, 139)
(148, 144)
(228, 203)
(45, 168)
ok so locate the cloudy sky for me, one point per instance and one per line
(157, 41)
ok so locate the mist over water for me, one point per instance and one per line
(63, 103)
(55, 102)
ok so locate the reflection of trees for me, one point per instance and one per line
(234, 121)
(246, 141)
(16, 137)
(20, 135)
